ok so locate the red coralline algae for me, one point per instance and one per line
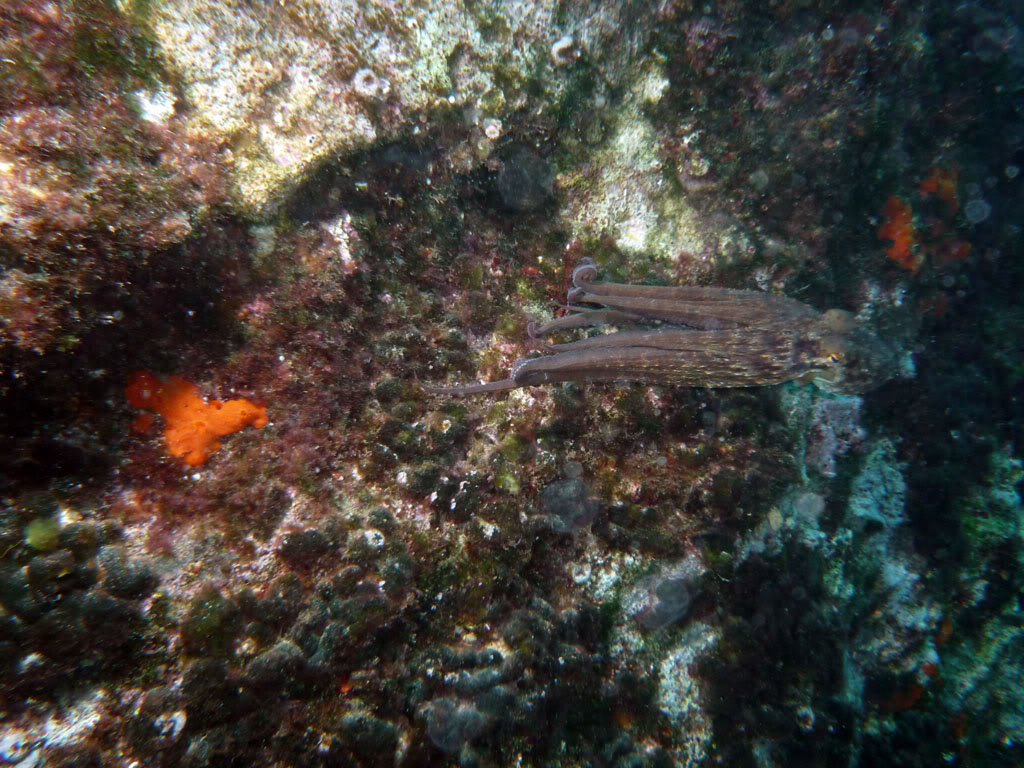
(934, 239)
(899, 228)
(92, 182)
(935, 305)
(941, 183)
(30, 311)
(192, 425)
(904, 698)
(951, 252)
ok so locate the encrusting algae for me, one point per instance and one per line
(192, 425)
(899, 228)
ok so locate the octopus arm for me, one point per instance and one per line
(474, 389)
(680, 340)
(702, 308)
(585, 319)
(713, 366)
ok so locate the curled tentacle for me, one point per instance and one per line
(585, 318)
(582, 275)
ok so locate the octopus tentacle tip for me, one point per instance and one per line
(532, 329)
(473, 389)
(583, 274)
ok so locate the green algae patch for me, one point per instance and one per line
(507, 482)
(515, 449)
(511, 326)
(42, 534)
(211, 624)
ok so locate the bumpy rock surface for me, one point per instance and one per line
(292, 87)
(590, 573)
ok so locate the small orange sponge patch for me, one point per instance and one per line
(899, 228)
(192, 426)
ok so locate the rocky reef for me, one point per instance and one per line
(237, 237)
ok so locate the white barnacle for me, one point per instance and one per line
(366, 83)
(170, 725)
(373, 538)
(492, 128)
(563, 51)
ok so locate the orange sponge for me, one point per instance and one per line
(899, 228)
(192, 425)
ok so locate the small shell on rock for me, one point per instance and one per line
(170, 725)
(492, 128)
(564, 52)
(369, 86)
(19, 746)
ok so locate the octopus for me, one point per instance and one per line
(698, 336)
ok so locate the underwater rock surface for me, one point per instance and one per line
(328, 77)
(306, 211)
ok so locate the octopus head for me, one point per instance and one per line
(854, 359)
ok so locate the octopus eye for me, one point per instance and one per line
(833, 349)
